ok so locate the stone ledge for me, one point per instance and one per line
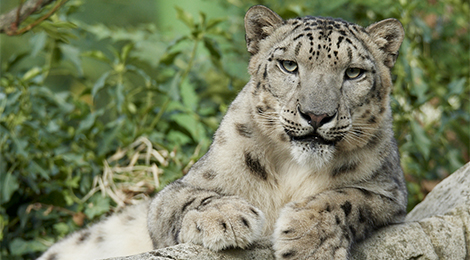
(437, 228)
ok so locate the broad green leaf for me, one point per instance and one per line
(188, 122)
(98, 55)
(420, 139)
(188, 95)
(100, 83)
(72, 54)
(169, 57)
(142, 73)
(38, 42)
(35, 168)
(9, 184)
(185, 17)
(89, 121)
(212, 47)
(125, 51)
(214, 22)
(61, 228)
(97, 206)
(30, 74)
(456, 87)
(20, 246)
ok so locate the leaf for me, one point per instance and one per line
(98, 55)
(188, 95)
(98, 206)
(38, 42)
(142, 73)
(99, 84)
(212, 47)
(175, 42)
(72, 54)
(214, 22)
(9, 184)
(169, 57)
(20, 246)
(35, 168)
(456, 87)
(30, 74)
(185, 17)
(420, 139)
(125, 51)
(188, 122)
(88, 122)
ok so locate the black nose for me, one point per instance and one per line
(316, 120)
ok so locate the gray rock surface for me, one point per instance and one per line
(437, 228)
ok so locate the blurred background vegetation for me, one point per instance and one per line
(107, 101)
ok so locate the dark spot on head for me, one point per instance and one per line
(338, 221)
(372, 120)
(346, 208)
(375, 139)
(254, 211)
(283, 137)
(243, 130)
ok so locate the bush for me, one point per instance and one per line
(92, 116)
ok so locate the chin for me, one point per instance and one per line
(312, 155)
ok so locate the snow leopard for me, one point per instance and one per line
(305, 154)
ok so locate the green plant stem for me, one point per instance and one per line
(191, 60)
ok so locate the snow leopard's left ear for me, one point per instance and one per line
(260, 22)
(388, 34)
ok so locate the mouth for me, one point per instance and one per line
(311, 138)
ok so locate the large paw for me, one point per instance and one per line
(311, 232)
(223, 223)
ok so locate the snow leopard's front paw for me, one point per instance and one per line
(311, 231)
(223, 223)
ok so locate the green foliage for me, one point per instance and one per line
(73, 95)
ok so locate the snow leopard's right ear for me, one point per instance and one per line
(260, 22)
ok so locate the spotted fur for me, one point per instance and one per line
(305, 154)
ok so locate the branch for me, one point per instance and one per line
(10, 21)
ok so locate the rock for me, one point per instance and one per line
(261, 251)
(437, 228)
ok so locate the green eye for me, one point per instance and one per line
(353, 73)
(289, 66)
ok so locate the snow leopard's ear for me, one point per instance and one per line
(388, 34)
(260, 22)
